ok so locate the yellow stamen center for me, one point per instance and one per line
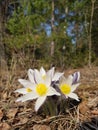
(65, 88)
(41, 89)
(28, 90)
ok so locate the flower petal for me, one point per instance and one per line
(51, 72)
(26, 83)
(28, 96)
(73, 87)
(21, 90)
(76, 77)
(19, 99)
(69, 80)
(56, 76)
(38, 76)
(74, 96)
(31, 75)
(39, 102)
(52, 91)
(42, 71)
(62, 80)
(47, 80)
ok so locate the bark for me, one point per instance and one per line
(90, 33)
(53, 29)
(3, 64)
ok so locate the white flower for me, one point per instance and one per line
(27, 83)
(53, 75)
(36, 87)
(67, 87)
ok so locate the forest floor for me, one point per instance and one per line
(21, 116)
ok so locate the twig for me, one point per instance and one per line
(49, 119)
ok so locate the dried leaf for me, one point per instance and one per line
(1, 114)
(23, 120)
(83, 108)
(93, 102)
(4, 126)
(12, 112)
(5, 95)
(95, 112)
(20, 121)
(41, 127)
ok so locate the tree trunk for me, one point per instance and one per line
(3, 64)
(90, 33)
(53, 29)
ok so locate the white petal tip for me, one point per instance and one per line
(30, 70)
(36, 108)
(58, 94)
(15, 91)
(18, 100)
(78, 100)
(19, 80)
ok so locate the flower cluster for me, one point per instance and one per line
(40, 85)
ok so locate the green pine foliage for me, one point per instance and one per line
(27, 28)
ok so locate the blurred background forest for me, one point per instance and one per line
(35, 33)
